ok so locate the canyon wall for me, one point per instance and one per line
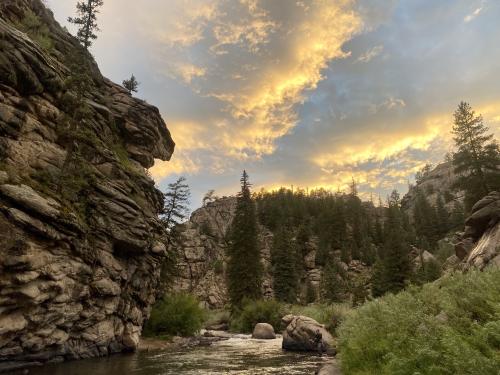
(80, 240)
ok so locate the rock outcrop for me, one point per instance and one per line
(480, 243)
(301, 334)
(439, 181)
(80, 241)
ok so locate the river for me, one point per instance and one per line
(240, 355)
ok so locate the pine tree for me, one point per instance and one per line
(457, 216)
(283, 261)
(333, 282)
(175, 208)
(443, 221)
(477, 157)
(131, 84)
(86, 21)
(244, 270)
(426, 222)
(394, 268)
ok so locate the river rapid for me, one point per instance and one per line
(238, 355)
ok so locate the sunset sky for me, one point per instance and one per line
(304, 93)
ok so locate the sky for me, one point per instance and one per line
(310, 93)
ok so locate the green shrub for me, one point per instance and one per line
(253, 312)
(177, 314)
(32, 25)
(451, 326)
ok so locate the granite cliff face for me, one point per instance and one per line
(439, 181)
(479, 245)
(80, 240)
(201, 257)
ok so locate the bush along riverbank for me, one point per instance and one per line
(451, 326)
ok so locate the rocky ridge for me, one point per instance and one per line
(81, 246)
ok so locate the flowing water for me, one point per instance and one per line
(238, 355)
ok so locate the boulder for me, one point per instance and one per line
(263, 331)
(300, 334)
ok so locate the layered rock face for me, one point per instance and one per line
(480, 243)
(200, 249)
(439, 180)
(201, 257)
(80, 241)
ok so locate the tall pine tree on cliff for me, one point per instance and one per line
(477, 157)
(86, 21)
(244, 268)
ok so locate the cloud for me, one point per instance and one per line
(267, 86)
(392, 103)
(284, 56)
(370, 54)
(185, 71)
(182, 164)
(474, 14)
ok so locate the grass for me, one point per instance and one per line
(451, 326)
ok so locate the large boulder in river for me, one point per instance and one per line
(300, 334)
(263, 331)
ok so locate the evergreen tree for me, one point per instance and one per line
(443, 221)
(86, 21)
(379, 232)
(76, 116)
(284, 261)
(244, 267)
(131, 84)
(333, 282)
(477, 157)
(426, 222)
(394, 268)
(175, 207)
(457, 217)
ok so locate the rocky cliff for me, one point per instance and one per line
(201, 257)
(479, 245)
(439, 181)
(80, 242)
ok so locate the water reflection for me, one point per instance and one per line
(242, 356)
